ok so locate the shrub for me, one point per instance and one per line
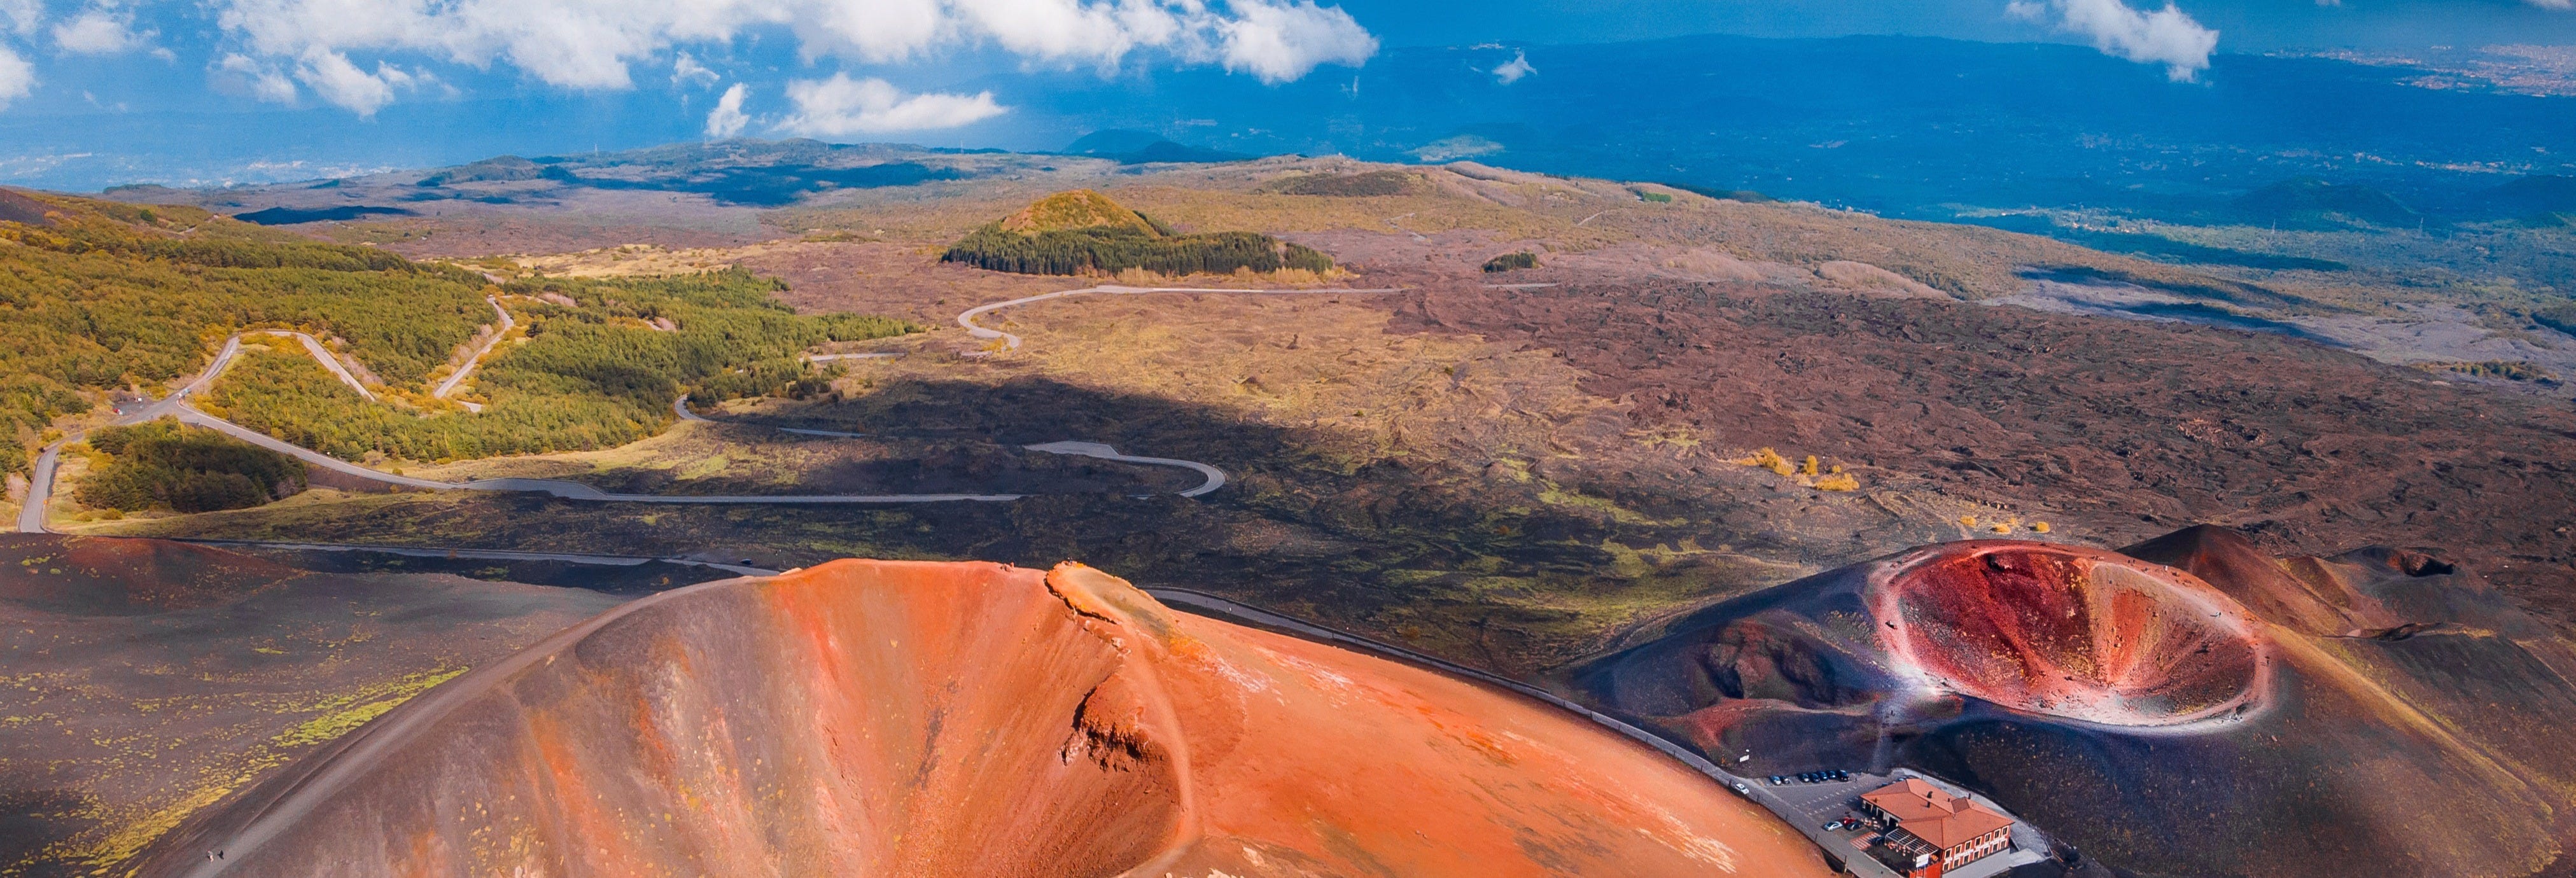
(1511, 262)
(2558, 317)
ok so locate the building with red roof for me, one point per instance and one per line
(1934, 832)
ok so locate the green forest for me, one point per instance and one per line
(167, 465)
(587, 377)
(97, 301)
(1112, 250)
(104, 296)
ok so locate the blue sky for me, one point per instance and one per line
(213, 75)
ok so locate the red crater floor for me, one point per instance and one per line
(2071, 632)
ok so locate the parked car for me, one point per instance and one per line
(1829, 827)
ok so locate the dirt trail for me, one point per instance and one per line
(1012, 342)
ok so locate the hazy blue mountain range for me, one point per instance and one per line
(1902, 126)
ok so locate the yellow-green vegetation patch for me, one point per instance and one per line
(1078, 209)
(338, 715)
(1555, 495)
(344, 713)
(2509, 370)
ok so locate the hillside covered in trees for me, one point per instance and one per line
(1084, 232)
(168, 465)
(594, 374)
(98, 296)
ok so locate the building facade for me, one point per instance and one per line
(1929, 833)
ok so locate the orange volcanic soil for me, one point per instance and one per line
(887, 718)
(2072, 632)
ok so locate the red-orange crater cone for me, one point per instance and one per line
(2071, 632)
(885, 718)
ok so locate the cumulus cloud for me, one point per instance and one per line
(2166, 36)
(336, 80)
(342, 83)
(1281, 42)
(99, 32)
(24, 16)
(243, 75)
(17, 77)
(592, 43)
(841, 106)
(727, 119)
(1513, 70)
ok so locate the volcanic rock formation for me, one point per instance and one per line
(888, 718)
(2232, 714)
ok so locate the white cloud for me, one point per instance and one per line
(2553, 4)
(2166, 36)
(17, 77)
(342, 83)
(727, 119)
(331, 76)
(240, 74)
(592, 43)
(23, 15)
(841, 106)
(686, 70)
(1518, 67)
(99, 32)
(1282, 42)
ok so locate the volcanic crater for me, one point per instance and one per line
(2071, 632)
(916, 718)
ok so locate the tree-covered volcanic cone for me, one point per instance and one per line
(885, 718)
(2070, 632)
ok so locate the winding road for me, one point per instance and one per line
(1012, 342)
(476, 358)
(32, 514)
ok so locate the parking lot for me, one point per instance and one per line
(1812, 805)
(1809, 806)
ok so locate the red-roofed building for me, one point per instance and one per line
(1934, 832)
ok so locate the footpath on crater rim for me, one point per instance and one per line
(916, 718)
